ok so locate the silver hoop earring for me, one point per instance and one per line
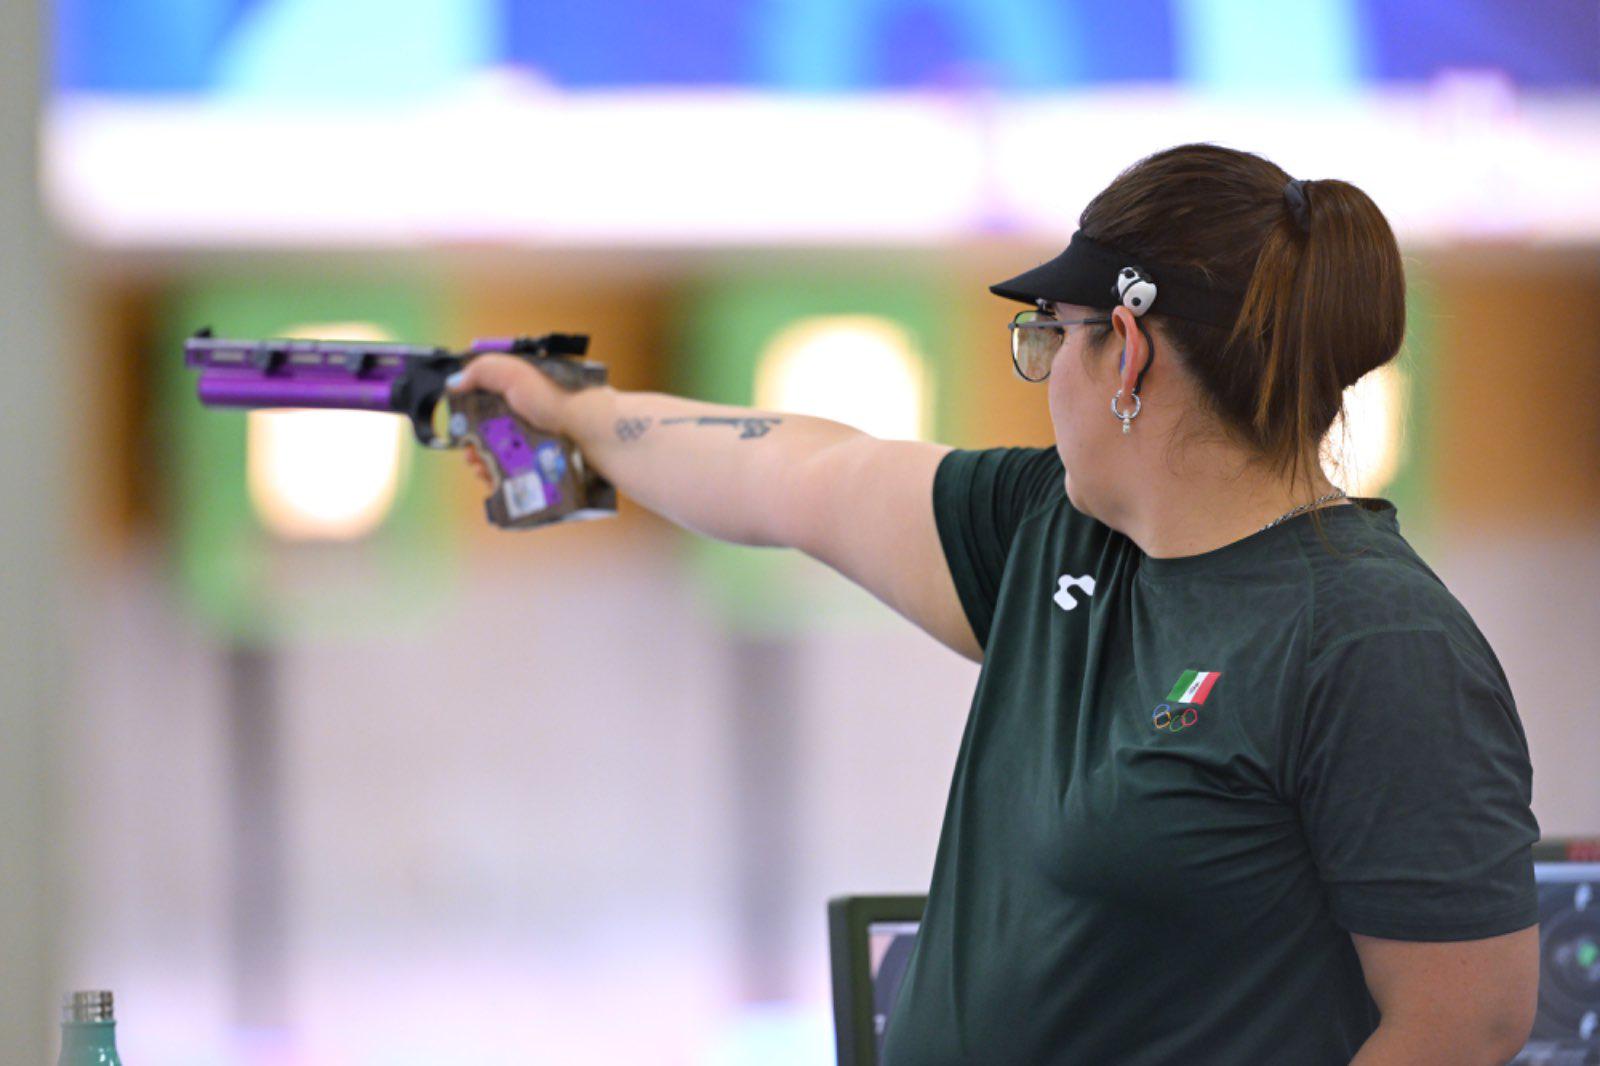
(1126, 416)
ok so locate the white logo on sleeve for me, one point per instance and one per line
(1064, 598)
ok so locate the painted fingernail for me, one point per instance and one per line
(454, 380)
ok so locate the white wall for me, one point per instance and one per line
(526, 815)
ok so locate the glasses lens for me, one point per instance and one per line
(1034, 348)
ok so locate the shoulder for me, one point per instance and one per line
(1025, 475)
(988, 493)
(1366, 582)
(1393, 653)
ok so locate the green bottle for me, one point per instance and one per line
(88, 1031)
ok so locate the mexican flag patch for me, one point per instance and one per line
(1194, 686)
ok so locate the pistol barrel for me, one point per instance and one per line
(304, 373)
(235, 388)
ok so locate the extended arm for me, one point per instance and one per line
(861, 505)
(726, 472)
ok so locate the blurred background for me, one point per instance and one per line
(310, 765)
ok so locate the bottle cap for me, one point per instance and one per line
(87, 1007)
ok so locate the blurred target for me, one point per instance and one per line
(1567, 1026)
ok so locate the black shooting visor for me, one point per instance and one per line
(1086, 274)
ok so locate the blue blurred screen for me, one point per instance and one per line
(332, 47)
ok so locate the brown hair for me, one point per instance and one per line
(1321, 307)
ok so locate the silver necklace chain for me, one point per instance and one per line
(1304, 507)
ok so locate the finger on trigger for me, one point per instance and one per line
(494, 373)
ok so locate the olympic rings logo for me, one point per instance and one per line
(1164, 717)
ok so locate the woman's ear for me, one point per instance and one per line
(1135, 355)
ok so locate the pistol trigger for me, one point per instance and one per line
(422, 421)
(422, 426)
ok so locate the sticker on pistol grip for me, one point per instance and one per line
(551, 460)
(524, 495)
(552, 464)
(508, 446)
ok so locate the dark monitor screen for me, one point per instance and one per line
(889, 947)
(870, 941)
(1566, 1030)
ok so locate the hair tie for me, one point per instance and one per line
(1295, 194)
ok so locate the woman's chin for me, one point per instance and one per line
(1081, 497)
(1078, 503)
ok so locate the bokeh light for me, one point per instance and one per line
(862, 370)
(325, 475)
(1365, 445)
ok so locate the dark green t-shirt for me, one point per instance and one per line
(1184, 782)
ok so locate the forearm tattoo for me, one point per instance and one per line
(631, 428)
(748, 427)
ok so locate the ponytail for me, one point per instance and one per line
(1322, 308)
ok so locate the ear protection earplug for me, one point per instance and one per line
(1135, 289)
